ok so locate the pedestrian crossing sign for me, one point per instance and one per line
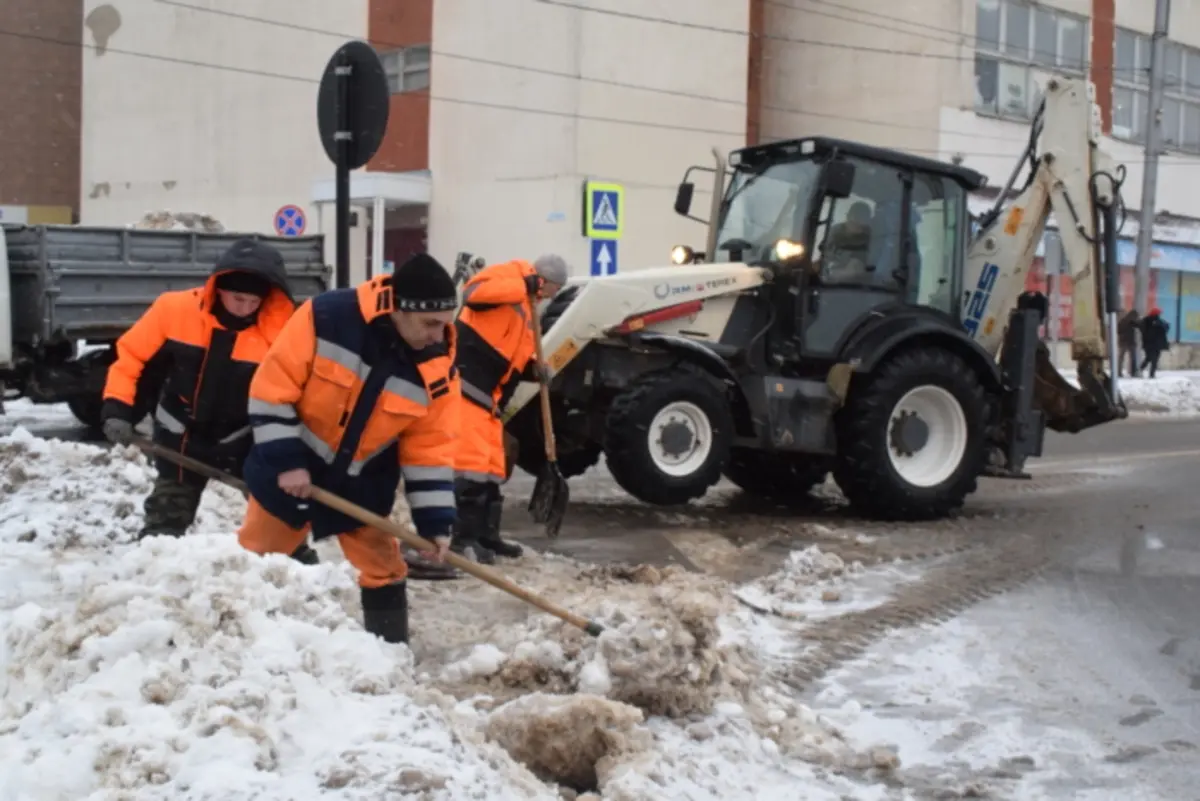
(603, 210)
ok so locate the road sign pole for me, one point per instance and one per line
(342, 166)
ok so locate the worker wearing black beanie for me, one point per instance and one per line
(359, 391)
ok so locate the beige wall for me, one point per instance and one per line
(236, 145)
(507, 182)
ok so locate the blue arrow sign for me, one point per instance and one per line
(604, 257)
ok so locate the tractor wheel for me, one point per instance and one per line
(775, 476)
(571, 463)
(911, 440)
(667, 437)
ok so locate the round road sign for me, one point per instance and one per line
(289, 221)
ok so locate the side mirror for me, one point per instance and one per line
(683, 198)
(839, 179)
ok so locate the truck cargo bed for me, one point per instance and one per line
(74, 282)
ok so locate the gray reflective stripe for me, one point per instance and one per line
(407, 390)
(343, 356)
(356, 467)
(476, 394)
(241, 432)
(478, 478)
(424, 500)
(256, 406)
(273, 432)
(412, 473)
(164, 419)
(321, 449)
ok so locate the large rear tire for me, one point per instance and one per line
(775, 476)
(912, 439)
(668, 436)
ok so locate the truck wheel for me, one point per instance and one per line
(667, 437)
(86, 409)
(775, 476)
(571, 463)
(912, 439)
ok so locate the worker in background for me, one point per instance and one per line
(358, 391)
(1127, 331)
(495, 353)
(1155, 339)
(195, 351)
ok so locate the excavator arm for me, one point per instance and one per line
(1070, 175)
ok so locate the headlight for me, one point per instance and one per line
(682, 254)
(786, 250)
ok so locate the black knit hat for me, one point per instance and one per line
(245, 282)
(422, 284)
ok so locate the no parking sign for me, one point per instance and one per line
(290, 221)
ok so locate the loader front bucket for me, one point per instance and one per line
(1072, 409)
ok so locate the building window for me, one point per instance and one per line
(1131, 92)
(407, 68)
(1018, 47)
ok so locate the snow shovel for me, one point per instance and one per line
(548, 503)
(409, 538)
(420, 568)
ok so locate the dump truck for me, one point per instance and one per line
(67, 292)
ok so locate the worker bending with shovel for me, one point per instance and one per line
(358, 391)
(495, 353)
(194, 352)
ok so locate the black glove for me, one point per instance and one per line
(118, 431)
(533, 283)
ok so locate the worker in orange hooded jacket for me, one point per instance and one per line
(194, 351)
(495, 353)
(358, 390)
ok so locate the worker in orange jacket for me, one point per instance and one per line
(194, 352)
(359, 390)
(495, 353)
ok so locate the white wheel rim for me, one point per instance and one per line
(673, 420)
(945, 445)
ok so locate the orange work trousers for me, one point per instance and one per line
(480, 456)
(374, 553)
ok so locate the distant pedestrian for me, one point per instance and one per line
(1154, 339)
(1127, 331)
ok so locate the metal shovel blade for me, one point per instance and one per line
(548, 503)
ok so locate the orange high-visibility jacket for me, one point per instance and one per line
(204, 368)
(341, 395)
(495, 338)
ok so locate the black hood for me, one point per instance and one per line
(258, 258)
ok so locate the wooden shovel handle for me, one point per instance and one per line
(410, 538)
(544, 392)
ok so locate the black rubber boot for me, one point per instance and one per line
(306, 555)
(491, 538)
(471, 527)
(385, 612)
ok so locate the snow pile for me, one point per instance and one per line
(63, 494)
(809, 577)
(179, 221)
(1169, 393)
(190, 668)
(175, 659)
(1165, 394)
(660, 652)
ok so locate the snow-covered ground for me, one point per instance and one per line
(1171, 392)
(192, 669)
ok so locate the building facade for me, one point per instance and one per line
(40, 60)
(502, 109)
(961, 80)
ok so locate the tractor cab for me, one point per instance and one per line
(848, 230)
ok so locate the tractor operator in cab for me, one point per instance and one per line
(195, 352)
(495, 353)
(358, 391)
